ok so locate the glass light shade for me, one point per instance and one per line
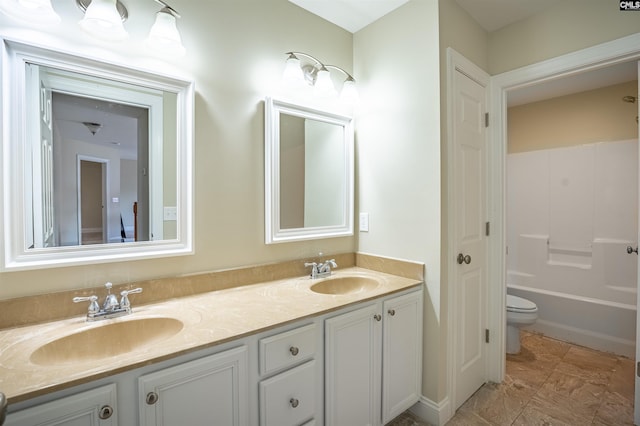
(324, 85)
(102, 20)
(349, 93)
(293, 75)
(164, 36)
(30, 11)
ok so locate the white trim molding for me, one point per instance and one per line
(434, 413)
(603, 55)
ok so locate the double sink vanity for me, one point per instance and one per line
(343, 349)
(266, 345)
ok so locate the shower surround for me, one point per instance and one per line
(571, 214)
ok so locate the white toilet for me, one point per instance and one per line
(520, 312)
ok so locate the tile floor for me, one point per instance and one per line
(551, 383)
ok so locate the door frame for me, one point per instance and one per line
(457, 63)
(105, 191)
(624, 49)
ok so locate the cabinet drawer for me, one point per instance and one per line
(287, 349)
(289, 398)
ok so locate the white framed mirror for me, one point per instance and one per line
(97, 160)
(309, 173)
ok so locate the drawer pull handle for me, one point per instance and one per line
(152, 398)
(294, 351)
(392, 312)
(105, 412)
(377, 317)
(294, 402)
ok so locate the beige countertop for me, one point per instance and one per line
(209, 319)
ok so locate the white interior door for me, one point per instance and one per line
(470, 271)
(636, 405)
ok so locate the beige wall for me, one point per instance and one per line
(398, 144)
(594, 116)
(236, 57)
(571, 25)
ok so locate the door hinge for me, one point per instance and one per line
(486, 335)
(486, 119)
(487, 229)
(638, 369)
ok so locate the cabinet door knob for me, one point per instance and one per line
(392, 312)
(152, 398)
(294, 402)
(105, 412)
(377, 317)
(294, 351)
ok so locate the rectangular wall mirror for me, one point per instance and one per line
(98, 160)
(308, 173)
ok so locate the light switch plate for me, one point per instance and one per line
(364, 222)
(170, 213)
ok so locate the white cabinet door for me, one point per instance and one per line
(91, 408)
(402, 354)
(353, 344)
(208, 391)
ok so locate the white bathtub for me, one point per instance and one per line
(598, 324)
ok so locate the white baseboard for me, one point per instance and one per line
(432, 412)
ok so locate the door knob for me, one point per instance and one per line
(463, 259)
(632, 250)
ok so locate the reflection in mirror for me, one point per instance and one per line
(309, 173)
(98, 174)
(99, 164)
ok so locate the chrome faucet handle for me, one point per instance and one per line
(314, 268)
(94, 308)
(326, 266)
(110, 301)
(124, 300)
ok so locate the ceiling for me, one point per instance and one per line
(353, 15)
(495, 14)
(119, 122)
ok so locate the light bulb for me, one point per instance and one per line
(164, 35)
(30, 12)
(293, 75)
(102, 20)
(324, 86)
(349, 93)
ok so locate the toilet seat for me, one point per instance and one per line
(518, 304)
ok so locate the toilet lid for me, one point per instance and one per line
(515, 303)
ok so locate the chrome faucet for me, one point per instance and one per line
(320, 270)
(111, 308)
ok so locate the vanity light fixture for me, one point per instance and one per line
(164, 36)
(31, 12)
(103, 19)
(317, 75)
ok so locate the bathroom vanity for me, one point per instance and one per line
(274, 353)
